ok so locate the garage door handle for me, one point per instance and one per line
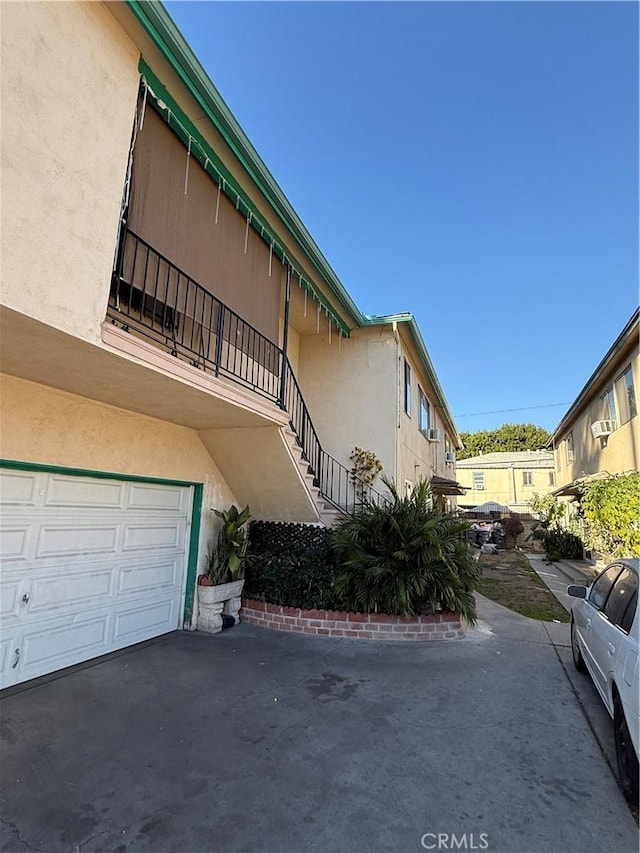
(25, 597)
(588, 623)
(17, 654)
(612, 648)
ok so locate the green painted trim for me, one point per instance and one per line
(196, 511)
(192, 562)
(88, 472)
(420, 345)
(629, 333)
(167, 107)
(158, 24)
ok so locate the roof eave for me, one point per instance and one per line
(410, 320)
(580, 401)
(160, 27)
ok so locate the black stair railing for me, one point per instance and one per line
(337, 484)
(153, 297)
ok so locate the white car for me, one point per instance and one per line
(604, 642)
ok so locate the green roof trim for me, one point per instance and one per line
(159, 26)
(420, 346)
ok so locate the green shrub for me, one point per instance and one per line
(290, 564)
(561, 545)
(612, 514)
(404, 558)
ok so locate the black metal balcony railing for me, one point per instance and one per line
(154, 298)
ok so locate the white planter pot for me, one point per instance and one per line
(214, 600)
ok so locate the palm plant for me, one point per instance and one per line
(404, 556)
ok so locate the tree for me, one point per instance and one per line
(509, 437)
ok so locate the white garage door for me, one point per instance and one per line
(88, 566)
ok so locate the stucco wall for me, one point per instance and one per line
(504, 485)
(350, 390)
(42, 425)
(69, 88)
(419, 458)
(615, 454)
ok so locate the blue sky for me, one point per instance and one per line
(473, 163)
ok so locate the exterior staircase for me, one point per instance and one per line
(327, 513)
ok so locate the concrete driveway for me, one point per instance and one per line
(257, 741)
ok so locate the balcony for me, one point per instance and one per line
(153, 300)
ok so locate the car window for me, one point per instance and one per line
(620, 596)
(602, 586)
(627, 617)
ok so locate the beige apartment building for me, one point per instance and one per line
(598, 436)
(172, 340)
(509, 479)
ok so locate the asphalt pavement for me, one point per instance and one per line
(257, 741)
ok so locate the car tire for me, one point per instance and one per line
(626, 757)
(575, 649)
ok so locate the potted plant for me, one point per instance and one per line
(220, 587)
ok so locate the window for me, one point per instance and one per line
(626, 396)
(601, 588)
(608, 404)
(527, 478)
(621, 604)
(478, 480)
(424, 415)
(407, 387)
(552, 478)
(569, 448)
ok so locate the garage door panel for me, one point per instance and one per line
(57, 540)
(10, 597)
(14, 542)
(64, 642)
(144, 621)
(157, 497)
(18, 488)
(8, 644)
(133, 579)
(76, 591)
(152, 536)
(97, 494)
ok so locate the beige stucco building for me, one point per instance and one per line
(598, 436)
(172, 339)
(509, 479)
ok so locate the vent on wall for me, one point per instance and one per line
(602, 428)
(433, 434)
(449, 456)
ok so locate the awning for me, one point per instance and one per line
(443, 486)
(576, 487)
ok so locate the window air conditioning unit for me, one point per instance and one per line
(433, 434)
(602, 428)
(449, 456)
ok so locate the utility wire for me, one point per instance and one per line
(502, 411)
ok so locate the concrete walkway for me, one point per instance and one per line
(557, 576)
(259, 741)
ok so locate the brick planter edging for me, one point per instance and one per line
(338, 623)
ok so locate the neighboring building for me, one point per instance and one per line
(598, 436)
(509, 479)
(172, 338)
